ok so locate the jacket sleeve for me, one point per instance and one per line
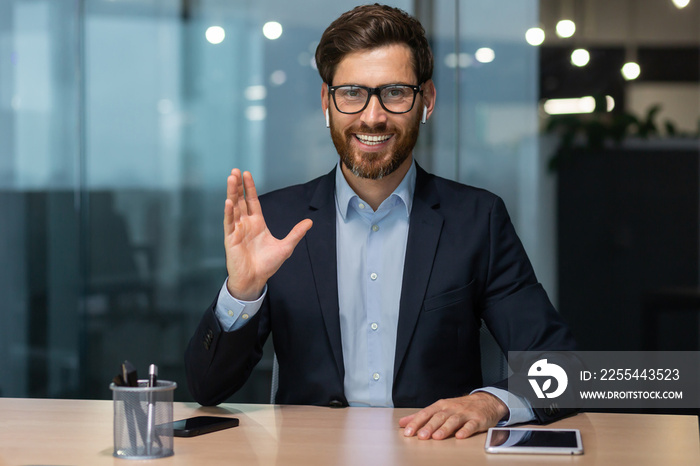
(218, 363)
(516, 307)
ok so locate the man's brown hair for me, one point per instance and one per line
(367, 27)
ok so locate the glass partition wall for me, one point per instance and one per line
(120, 121)
(41, 189)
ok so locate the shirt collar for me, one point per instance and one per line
(403, 193)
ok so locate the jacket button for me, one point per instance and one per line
(336, 404)
(551, 410)
(208, 338)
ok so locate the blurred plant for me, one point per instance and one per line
(593, 131)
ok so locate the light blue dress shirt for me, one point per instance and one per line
(370, 249)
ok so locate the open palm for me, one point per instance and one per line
(253, 255)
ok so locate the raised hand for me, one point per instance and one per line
(253, 255)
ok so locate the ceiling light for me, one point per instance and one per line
(566, 28)
(215, 34)
(580, 57)
(609, 103)
(570, 106)
(256, 113)
(255, 92)
(631, 70)
(272, 30)
(680, 4)
(278, 77)
(463, 60)
(485, 55)
(534, 36)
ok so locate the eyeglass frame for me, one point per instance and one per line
(375, 91)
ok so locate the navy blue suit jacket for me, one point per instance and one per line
(464, 263)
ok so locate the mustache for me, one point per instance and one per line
(365, 128)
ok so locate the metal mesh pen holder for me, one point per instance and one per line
(143, 419)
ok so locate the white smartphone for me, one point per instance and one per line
(535, 441)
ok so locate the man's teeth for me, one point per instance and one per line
(372, 140)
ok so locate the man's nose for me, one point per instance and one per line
(374, 113)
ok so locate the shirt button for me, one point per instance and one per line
(375, 227)
(230, 313)
(244, 316)
(375, 376)
(373, 276)
(374, 326)
(361, 205)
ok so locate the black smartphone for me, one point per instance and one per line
(199, 425)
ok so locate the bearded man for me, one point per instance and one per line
(376, 293)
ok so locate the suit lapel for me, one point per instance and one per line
(424, 231)
(321, 242)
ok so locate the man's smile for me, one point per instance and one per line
(373, 140)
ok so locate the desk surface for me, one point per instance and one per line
(78, 432)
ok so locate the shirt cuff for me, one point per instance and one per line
(519, 408)
(233, 313)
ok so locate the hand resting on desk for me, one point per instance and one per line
(462, 416)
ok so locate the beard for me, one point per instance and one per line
(374, 165)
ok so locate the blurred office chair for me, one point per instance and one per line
(121, 273)
(494, 366)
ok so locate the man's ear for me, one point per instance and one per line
(324, 97)
(325, 103)
(429, 96)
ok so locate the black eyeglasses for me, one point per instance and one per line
(394, 98)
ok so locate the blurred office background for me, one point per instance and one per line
(120, 120)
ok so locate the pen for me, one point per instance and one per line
(134, 411)
(152, 375)
(129, 374)
(125, 379)
(152, 381)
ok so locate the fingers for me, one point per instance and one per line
(442, 425)
(297, 233)
(251, 195)
(417, 421)
(439, 426)
(229, 224)
(470, 428)
(439, 430)
(230, 212)
(241, 199)
(240, 204)
(463, 417)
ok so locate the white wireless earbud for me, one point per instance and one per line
(328, 120)
(425, 115)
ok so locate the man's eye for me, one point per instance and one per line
(396, 92)
(350, 93)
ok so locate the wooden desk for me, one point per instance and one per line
(77, 432)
